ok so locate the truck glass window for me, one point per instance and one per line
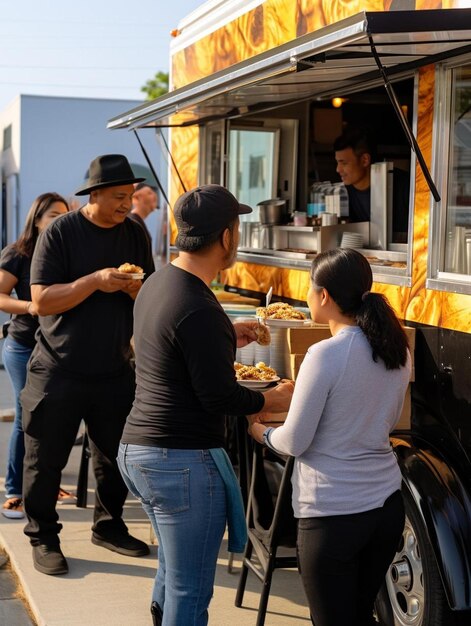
(457, 258)
(253, 165)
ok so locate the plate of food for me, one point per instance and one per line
(281, 315)
(286, 323)
(133, 271)
(255, 376)
(258, 384)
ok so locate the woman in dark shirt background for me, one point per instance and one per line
(15, 263)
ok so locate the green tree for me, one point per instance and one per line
(156, 86)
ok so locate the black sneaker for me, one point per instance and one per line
(123, 543)
(48, 559)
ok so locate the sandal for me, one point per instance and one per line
(13, 508)
(66, 497)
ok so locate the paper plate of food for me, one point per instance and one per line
(282, 315)
(133, 271)
(255, 376)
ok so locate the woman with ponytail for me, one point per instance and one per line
(15, 263)
(346, 481)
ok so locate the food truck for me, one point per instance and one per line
(260, 90)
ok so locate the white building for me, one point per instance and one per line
(47, 145)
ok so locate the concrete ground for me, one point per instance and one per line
(104, 588)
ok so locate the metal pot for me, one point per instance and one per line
(273, 211)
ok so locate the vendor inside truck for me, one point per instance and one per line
(354, 154)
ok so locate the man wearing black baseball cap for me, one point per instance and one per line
(80, 367)
(171, 453)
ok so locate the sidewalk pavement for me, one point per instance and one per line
(104, 588)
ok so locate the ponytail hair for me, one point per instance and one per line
(347, 276)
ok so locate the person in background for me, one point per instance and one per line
(171, 453)
(346, 480)
(81, 365)
(144, 202)
(354, 153)
(15, 263)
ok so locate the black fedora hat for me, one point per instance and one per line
(108, 170)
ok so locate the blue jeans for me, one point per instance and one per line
(15, 357)
(183, 494)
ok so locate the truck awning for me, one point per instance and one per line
(331, 60)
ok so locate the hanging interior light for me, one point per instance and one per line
(337, 102)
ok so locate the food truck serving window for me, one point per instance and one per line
(450, 263)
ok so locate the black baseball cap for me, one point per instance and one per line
(205, 210)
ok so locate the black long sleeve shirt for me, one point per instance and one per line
(185, 348)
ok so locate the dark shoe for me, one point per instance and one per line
(123, 543)
(157, 614)
(48, 559)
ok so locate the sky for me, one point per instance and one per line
(85, 48)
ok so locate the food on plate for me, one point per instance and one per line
(280, 311)
(385, 262)
(260, 371)
(130, 268)
(263, 335)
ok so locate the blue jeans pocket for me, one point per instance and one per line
(166, 490)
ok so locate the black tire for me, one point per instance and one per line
(413, 594)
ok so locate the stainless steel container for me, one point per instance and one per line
(273, 211)
(267, 237)
(328, 219)
(246, 233)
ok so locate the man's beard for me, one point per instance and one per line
(231, 255)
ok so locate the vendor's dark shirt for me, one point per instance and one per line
(185, 348)
(22, 327)
(360, 205)
(93, 338)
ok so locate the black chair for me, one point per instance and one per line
(82, 482)
(271, 523)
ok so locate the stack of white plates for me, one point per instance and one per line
(352, 240)
(279, 352)
(246, 355)
(262, 353)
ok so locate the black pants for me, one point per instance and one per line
(343, 560)
(53, 406)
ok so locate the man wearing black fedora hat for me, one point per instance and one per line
(80, 368)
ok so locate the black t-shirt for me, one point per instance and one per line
(138, 219)
(93, 338)
(22, 327)
(360, 205)
(185, 348)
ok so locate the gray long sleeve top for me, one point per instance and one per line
(343, 409)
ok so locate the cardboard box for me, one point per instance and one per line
(296, 360)
(300, 339)
(405, 419)
(410, 332)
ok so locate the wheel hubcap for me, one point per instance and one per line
(405, 581)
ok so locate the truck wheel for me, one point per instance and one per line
(413, 594)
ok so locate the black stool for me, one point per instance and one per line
(82, 482)
(270, 521)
